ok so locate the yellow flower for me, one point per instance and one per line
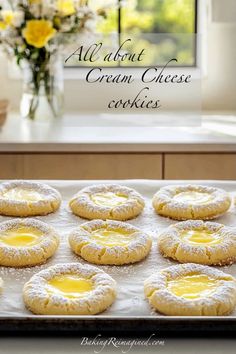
(35, 2)
(66, 7)
(3, 26)
(7, 17)
(38, 32)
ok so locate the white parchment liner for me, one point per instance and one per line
(130, 300)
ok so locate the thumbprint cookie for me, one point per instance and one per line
(22, 198)
(191, 290)
(26, 242)
(69, 289)
(196, 241)
(110, 242)
(109, 201)
(186, 202)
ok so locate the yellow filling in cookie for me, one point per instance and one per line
(192, 286)
(193, 197)
(111, 238)
(108, 199)
(21, 237)
(20, 194)
(201, 237)
(69, 286)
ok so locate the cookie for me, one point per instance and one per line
(184, 202)
(196, 241)
(191, 290)
(107, 201)
(22, 198)
(110, 242)
(26, 242)
(69, 289)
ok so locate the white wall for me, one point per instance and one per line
(218, 87)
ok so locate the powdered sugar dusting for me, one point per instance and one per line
(83, 244)
(82, 204)
(46, 243)
(165, 203)
(50, 199)
(173, 245)
(157, 285)
(130, 296)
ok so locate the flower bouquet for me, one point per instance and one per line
(31, 31)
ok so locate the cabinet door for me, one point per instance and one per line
(11, 166)
(92, 166)
(200, 166)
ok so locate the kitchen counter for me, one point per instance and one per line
(77, 148)
(216, 134)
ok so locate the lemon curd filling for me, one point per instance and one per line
(20, 194)
(21, 237)
(193, 286)
(108, 199)
(69, 286)
(193, 197)
(201, 237)
(111, 238)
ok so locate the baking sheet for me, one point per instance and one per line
(130, 300)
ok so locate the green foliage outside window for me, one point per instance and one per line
(174, 20)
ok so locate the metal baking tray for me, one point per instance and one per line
(130, 313)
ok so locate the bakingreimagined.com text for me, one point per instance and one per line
(99, 343)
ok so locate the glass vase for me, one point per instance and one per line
(43, 89)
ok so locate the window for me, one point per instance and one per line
(166, 28)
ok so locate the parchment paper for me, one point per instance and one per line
(130, 300)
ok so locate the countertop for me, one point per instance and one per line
(81, 133)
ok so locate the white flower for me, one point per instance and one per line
(67, 24)
(18, 18)
(35, 9)
(83, 11)
(11, 38)
(101, 4)
(66, 27)
(90, 25)
(48, 10)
